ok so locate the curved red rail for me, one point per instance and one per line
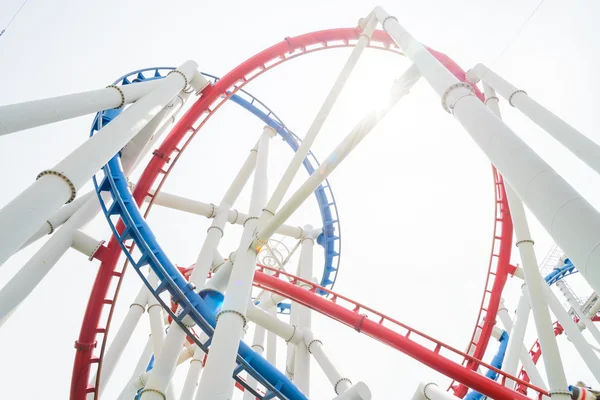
(391, 332)
(186, 128)
(535, 353)
(498, 271)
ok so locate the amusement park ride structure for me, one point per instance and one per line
(202, 312)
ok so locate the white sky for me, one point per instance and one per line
(415, 199)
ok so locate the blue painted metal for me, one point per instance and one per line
(496, 363)
(562, 272)
(331, 238)
(150, 364)
(117, 203)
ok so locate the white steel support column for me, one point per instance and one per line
(85, 244)
(532, 371)
(571, 221)
(32, 273)
(59, 218)
(115, 350)
(581, 146)
(131, 387)
(315, 347)
(17, 117)
(575, 305)
(302, 362)
(516, 335)
(258, 347)
(206, 209)
(317, 124)
(573, 332)
(215, 382)
(555, 372)
(360, 131)
(23, 216)
(164, 368)
(272, 342)
(431, 391)
(359, 391)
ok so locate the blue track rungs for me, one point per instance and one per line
(114, 209)
(104, 185)
(238, 369)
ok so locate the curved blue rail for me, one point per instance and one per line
(562, 272)
(497, 362)
(330, 239)
(117, 203)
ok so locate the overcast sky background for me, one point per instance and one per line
(415, 199)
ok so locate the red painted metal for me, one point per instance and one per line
(498, 270)
(171, 149)
(535, 353)
(391, 332)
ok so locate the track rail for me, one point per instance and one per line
(171, 149)
(498, 271)
(402, 337)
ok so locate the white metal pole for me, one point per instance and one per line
(571, 221)
(431, 391)
(235, 217)
(557, 380)
(132, 384)
(532, 371)
(215, 382)
(164, 368)
(315, 347)
(32, 273)
(258, 347)
(573, 332)
(17, 117)
(59, 218)
(302, 364)
(191, 379)
(584, 148)
(583, 318)
(85, 244)
(516, 335)
(272, 342)
(359, 391)
(115, 350)
(360, 131)
(317, 123)
(23, 216)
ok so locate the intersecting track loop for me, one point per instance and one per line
(172, 147)
(391, 332)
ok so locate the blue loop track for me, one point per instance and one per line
(117, 203)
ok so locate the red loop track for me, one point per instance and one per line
(391, 332)
(169, 152)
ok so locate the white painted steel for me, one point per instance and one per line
(340, 383)
(85, 244)
(360, 131)
(581, 146)
(583, 318)
(17, 117)
(573, 332)
(121, 339)
(206, 209)
(40, 264)
(23, 216)
(359, 391)
(530, 367)
(164, 369)
(59, 218)
(215, 382)
(132, 385)
(571, 221)
(552, 361)
(302, 362)
(431, 391)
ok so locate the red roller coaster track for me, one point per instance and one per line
(169, 152)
